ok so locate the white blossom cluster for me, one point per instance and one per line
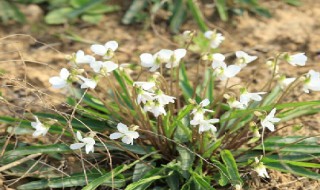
(170, 58)
(153, 98)
(199, 118)
(103, 68)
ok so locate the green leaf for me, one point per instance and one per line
(116, 171)
(83, 8)
(284, 156)
(10, 11)
(231, 167)
(222, 9)
(140, 170)
(186, 158)
(295, 163)
(123, 82)
(212, 146)
(93, 19)
(201, 182)
(293, 2)
(272, 96)
(302, 148)
(72, 181)
(183, 133)
(293, 139)
(262, 12)
(182, 114)
(185, 85)
(288, 168)
(143, 183)
(197, 15)
(173, 181)
(178, 16)
(27, 150)
(58, 16)
(133, 11)
(222, 178)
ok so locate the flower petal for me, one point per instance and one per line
(98, 49)
(180, 53)
(57, 82)
(77, 146)
(116, 135)
(232, 71)
(89, 148)
(79, 136)
(64, 73)
(147, 60)
(127, 140)
(113, 45)
(122, 128)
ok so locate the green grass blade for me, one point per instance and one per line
(178, 16)
(116, 171)
(134, 10)
(297, 170)
(143, 183)
(78, 11)
(222, 9)
(197, 15)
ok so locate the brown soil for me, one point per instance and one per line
(25, 83)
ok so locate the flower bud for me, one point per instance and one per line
(258, 113)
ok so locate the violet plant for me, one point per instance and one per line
(163, 129)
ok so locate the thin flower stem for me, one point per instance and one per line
(177, 87)
(268, 85)
(217, 111)
(293, 85)
(196, 83)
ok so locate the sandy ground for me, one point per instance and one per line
(292, 29)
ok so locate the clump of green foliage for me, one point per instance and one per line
(165, 129)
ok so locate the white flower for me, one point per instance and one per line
(298, 59)
(87, 83)
(214, 37)
(198, 117)
(260, 169)
(155, 107)
(81, 58)
(150, 61)
(145, 85)
(60, 81)
(244, 58)
(176, 57)
(269, 120)
(199, 111)
(144, 96)
(107, 50)
(88, 142)
(223, 72)
(162, 98)
(246, 97)
(285, 82)
(172, 58)
(312, 81)
(144, 91)
(40, 129)
(205, 125)
(233, 103)
(217, 60)
(103, 67)
(124, 133)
